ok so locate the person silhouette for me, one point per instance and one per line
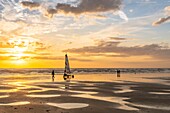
(53, 73)
(118, 73)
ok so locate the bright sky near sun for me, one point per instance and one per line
(94, 33)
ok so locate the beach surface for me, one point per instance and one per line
(86, 93)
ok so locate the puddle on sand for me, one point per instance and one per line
(89, 88)
(167, 90)
(160, 93)
(4, 96)
(119, 100)
(14, 103)
(69, 105)
(83, 92)
(8, 90)
(43, 96)
(167, 108)
(45, 89)
(124, 89)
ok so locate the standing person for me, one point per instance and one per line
(53, 75)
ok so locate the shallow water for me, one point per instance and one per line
(4, 96)
(14, 103)
(69, 105)
(116, 92)
(42, 96)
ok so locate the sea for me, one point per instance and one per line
(35, 71)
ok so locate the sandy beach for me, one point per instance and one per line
(84, 56)
(86, 93)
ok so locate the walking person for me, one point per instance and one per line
(53, 73)
(118, 73)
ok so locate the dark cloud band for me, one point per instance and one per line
(84, 6)
(30, 4)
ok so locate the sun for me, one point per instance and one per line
(17, 52)
(22, 51)
(19, 58)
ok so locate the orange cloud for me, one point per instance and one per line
(114, 49)
(18, 48)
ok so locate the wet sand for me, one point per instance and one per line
(98, 93)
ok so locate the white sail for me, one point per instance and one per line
(67, 66)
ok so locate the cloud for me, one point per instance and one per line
(79, 7)
(29, 48)
(30, 5)
(153, 50)
(16, 20)
(50, 12)
(39, 46)
(122, 15)
(117, 38)
(90, 6)
(6, 45)
(4, 58)
(18, 47)
(23, 43)
(55, 58)
(161, 20)
(167, 10)
(164, 19)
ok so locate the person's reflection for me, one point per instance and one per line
(67, 85)
(67, 82)
(52, 79)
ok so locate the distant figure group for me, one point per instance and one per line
(118, 73)
(53, 73)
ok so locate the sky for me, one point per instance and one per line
(94, 33)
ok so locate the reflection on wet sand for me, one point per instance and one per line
(4, 96)
(42, 96)
(8, 90)
(68, 105)
(119, 100)
(67, 85)
(121, 95)
(14, 103)
(160, 93)
(165, 108)
(124, 89)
